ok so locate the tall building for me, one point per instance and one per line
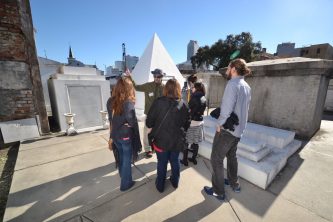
(119, 65)
(287, 49)
(131, 61)
(192, 48)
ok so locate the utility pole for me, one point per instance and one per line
(124, 57)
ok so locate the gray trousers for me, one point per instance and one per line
(224, 145)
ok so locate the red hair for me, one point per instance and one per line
(123, 91)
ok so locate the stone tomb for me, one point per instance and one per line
(262, 151)
(81, 91)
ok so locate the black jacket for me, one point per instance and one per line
(120, 130)
(197, 106)
(171, 134)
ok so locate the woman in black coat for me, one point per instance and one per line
(168, 119)
(194, 136)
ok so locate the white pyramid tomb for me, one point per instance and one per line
(154, 56)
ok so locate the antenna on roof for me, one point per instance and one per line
(45, 54)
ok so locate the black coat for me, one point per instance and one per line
(197, 106)
(171, 134)
(120, 130)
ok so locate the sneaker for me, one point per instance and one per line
(237, 189)
(184, 162)
(209, 191)
(149, 154)
(193, 160)
(226, 182)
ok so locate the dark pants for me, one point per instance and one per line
(162, 162)
(125, 158)
(224, 145)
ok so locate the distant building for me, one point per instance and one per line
(76, 63)
(186, 67)
(321, 51)
(286, 50)
(119, 65)
(131, 62)
(72, 61)
(192, 48)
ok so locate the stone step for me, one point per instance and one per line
(245, 143)
(259, 173)
(254, 156)
(269, 135)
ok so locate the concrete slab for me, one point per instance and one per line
(269, 135)
(245, 143)
(65, 188)
(57, 150)
(183, 204)
(18, 130)
(251, 145)
(309, 174)
(259, 173)
(254, 156)
(58, 138)
(254, 204)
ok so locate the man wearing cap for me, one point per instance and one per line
(152, 91)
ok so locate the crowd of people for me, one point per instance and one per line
(174, 124)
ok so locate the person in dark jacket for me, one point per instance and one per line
(124, 129)
(168, 119)
(152, 91)
(197, 106)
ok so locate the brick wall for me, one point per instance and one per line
(21, 92)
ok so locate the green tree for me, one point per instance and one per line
(218, 55)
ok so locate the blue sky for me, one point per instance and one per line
(96, 29)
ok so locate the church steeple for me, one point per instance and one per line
(70, 53)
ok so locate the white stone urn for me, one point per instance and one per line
(71, 131)
(105, 119)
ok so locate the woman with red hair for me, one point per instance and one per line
(124, 130)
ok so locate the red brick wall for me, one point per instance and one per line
(21, 93)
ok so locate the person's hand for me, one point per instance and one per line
(149, 130)
(110, 144)
(127, 72)
(218, 128)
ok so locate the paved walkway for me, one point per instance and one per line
(60, 178)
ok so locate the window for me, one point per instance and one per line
(318, 51)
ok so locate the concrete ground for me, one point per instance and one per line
(60, 178)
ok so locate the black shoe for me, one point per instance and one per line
(184, 162)
(157, 188)
(193, 160)
(149, 154)
(209, 191)
(173, 184)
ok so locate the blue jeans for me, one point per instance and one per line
(162, 162)
(125, 158)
